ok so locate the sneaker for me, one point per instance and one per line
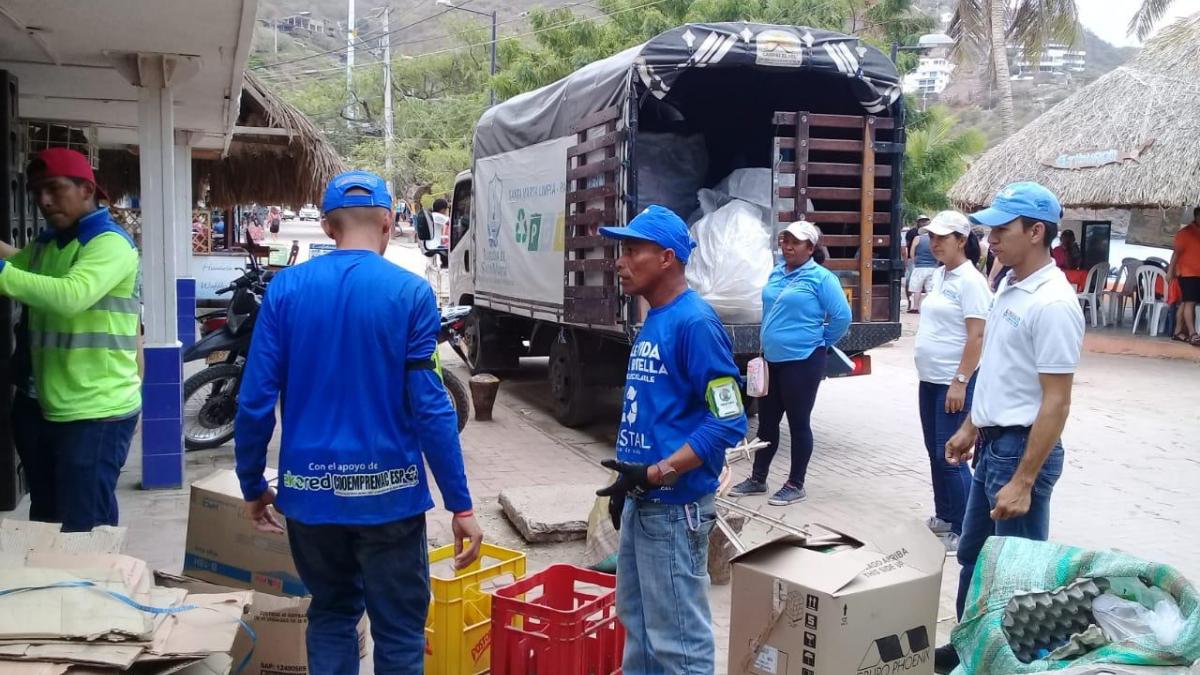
(945, 659)
(788, 494)
(937, 525)
(749, 487)
(950, 541)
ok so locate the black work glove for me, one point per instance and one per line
(616, 506)
(630, 478)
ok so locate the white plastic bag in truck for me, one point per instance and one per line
(732, 261)
(670, 170)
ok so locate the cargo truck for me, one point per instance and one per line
(822, 111)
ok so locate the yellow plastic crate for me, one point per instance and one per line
(458, 639)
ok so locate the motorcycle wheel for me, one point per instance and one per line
(210, 406)
(458, 398)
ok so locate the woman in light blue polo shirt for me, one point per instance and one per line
(805, 312)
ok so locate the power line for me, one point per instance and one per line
(564, 24)
(362, 41)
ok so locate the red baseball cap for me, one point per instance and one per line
(63, 163)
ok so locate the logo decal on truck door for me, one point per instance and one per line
(495, 210)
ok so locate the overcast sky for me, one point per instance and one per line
(1110, 18)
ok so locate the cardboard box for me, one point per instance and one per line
(224, 547)
(278, 623)
(839, 604)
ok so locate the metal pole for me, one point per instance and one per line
(349, 61)
(493, 68)
(276, 31)
(388, 131)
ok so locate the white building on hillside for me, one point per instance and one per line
(930, 78)
(1056, 60)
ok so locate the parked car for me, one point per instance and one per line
(288, 214)
(310, 212)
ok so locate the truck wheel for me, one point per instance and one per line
(488, 346)
(568, 390)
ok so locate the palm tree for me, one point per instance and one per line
(937, 151)
(1147, 16)
(985, 28)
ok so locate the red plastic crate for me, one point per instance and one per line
(552, 623)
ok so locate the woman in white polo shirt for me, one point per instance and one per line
(949, 344)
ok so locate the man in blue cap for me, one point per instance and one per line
(364, 410)
(1031, 350)
(682, 409)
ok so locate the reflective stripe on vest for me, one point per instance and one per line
(54, 340)
(118, 305)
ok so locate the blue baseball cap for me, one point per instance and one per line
(659, 225)
(1016, 200)
(376, 188)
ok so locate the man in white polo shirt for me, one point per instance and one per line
(1023, 393)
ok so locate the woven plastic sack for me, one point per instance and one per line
(1009, 565)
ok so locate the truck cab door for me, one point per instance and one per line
(462, 271)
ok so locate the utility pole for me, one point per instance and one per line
(350, 35)
(492, 70)
(388, 131)
(276, 31)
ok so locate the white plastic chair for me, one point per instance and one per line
(1089, 299)
(1125, 288)
(1152, 307)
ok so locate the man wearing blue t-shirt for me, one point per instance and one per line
(348, 343)
(682, 410)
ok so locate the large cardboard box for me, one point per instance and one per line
(838, 604)
(278, 623)
(224, 547)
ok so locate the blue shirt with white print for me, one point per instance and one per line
(681, 387)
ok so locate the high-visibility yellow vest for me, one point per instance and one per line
(81, 288)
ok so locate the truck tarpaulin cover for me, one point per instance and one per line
(551, 112)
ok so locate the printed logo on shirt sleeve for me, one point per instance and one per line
(724, 398)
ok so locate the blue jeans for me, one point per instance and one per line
(71, 468)
(662, 588)
(382, 568)
(951, 482)
(1000, 452)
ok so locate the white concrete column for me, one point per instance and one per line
(184, 202)
(156, 140)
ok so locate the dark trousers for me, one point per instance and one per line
(1000, 453)
(382, 568)
(71, 467)
(791, 390)
(951, 482)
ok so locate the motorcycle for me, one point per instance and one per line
(210, 396)
(454, 320)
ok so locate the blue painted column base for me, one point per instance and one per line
(185, 294)
(162, 419)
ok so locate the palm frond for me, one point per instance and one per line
(1147, 16)
(970, 27)
(1035, 24)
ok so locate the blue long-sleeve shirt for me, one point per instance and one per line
(681, 386)
(803, 310)
(343, 341)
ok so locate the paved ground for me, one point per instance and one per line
(1130, 483)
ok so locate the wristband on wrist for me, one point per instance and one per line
(465, 514)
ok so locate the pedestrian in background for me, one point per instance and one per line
(910, 236)
(682, 409)
(805, 312)
(924, 263)
(1031, 349)
(364, 410)
(948, 345)
(1185, 267)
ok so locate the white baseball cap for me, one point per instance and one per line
(948, 222)
(804, 231)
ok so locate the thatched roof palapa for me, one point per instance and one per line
(270, 168)
(1139, 122)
